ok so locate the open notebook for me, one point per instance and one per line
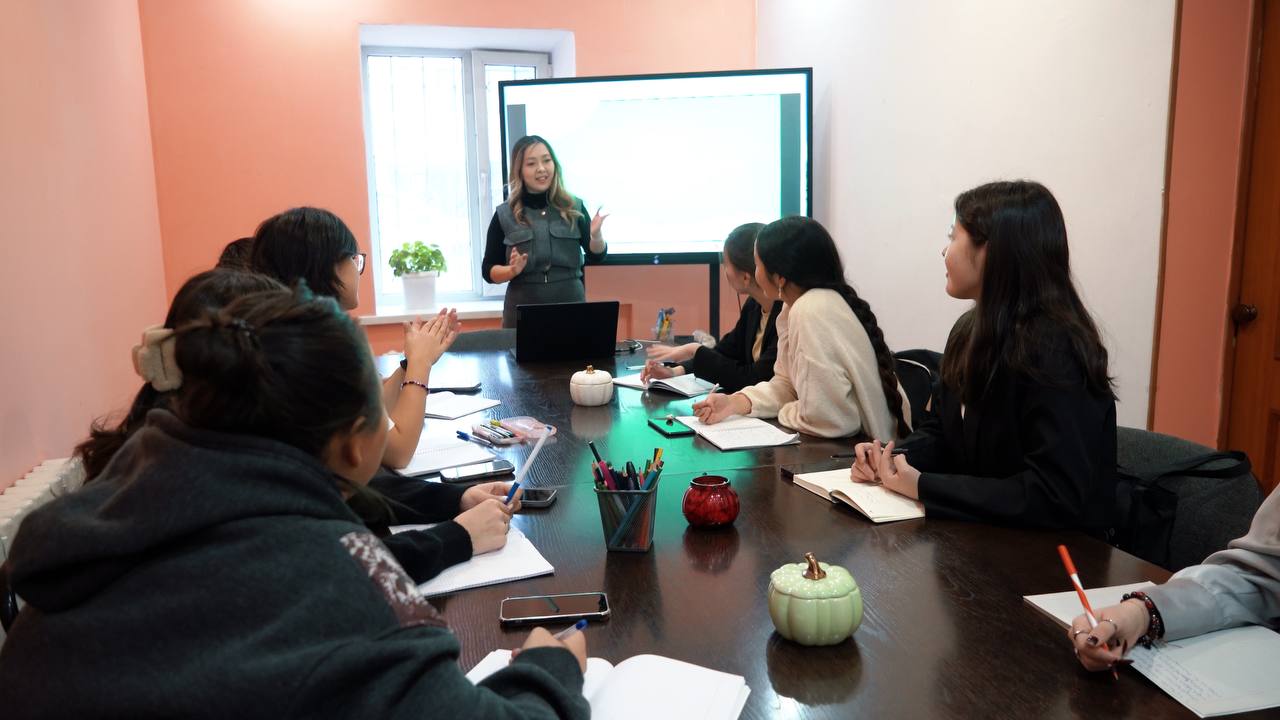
(437, 452)
(739, 433)
(448, 406)
(875, 501)
(517, 560)
(686, 385)
(1218, 673)
(648, 687)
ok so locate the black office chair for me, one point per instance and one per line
(8, 599)
(483, 340)
(1210, 511)
(917, 371)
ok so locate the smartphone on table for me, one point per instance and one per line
(467, 473)
(537, 497)
(539, 609)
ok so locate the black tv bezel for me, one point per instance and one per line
(669, 258)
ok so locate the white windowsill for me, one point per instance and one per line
(472, 310)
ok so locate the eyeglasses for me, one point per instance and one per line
(359, 259)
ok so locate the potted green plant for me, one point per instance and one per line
(418, 264)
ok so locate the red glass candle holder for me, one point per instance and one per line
(710, 502)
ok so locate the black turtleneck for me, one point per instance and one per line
(495, 251)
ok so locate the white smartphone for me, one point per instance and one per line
(466, 473)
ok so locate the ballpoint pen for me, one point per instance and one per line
(473, 438)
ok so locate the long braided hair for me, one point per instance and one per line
(801, 251)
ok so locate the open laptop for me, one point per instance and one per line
(566, 331)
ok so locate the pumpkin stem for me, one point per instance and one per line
(815, 571)
(590, 369)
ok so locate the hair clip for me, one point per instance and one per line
(154, 360)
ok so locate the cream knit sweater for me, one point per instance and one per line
(826, 381)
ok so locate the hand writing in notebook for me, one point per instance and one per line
(476, 494)
(716, 407)
(576, 643)
(487, 524)
(875, 463)
(1118, 629)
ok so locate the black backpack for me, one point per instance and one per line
(1147, 505)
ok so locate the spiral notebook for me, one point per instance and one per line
(740, 433)
(645, 687)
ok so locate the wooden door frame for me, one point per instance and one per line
(1243, 183)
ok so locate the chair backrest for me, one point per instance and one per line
(917, 371)
(1210, 511)
(482, 340)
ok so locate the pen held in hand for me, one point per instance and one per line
(576, 627)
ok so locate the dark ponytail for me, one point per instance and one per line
(284, 365)
(208, 290)
(802, 252)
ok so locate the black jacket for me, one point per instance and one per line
(214, 575)
(423, 554)
(1032, 453)
(730, 362)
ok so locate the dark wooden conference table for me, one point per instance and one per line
(945, 632)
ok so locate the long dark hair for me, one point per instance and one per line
(801, 251)
(303, 243)
(1027, 293)
(279, 364)
(208, 290)
(740, 246)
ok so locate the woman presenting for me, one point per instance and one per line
(541, 233)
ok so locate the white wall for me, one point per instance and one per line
(918, 100)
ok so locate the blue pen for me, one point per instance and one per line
(576, 627)
(512, 492)
(473, 438)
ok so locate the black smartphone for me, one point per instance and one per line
(535, 609)
(537, 497)
(467, 473)
(669, 427)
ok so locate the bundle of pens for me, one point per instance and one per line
(626, 498)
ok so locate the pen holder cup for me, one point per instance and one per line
(627, 516)
(662, 334)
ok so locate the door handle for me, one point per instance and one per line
(1243, 314)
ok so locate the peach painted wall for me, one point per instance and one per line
(82, 251)
(1213, 69)
(256, 107)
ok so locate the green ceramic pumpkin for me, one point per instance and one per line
(814, 603)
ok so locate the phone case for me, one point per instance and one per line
(670, 428)
(596, 616)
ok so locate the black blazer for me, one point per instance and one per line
(730, 363)
(1028, 452)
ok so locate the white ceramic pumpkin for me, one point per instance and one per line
(591, 387)
(814, 603)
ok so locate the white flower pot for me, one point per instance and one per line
(420, 290)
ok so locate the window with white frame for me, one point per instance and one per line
(435, 157)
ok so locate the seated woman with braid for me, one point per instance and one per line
(834, 375)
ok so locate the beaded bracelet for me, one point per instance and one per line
(1155, 624)
(415, 382)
